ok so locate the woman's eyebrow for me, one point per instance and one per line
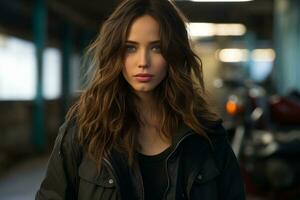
(131, 42)
(134, 42)
(155, 42)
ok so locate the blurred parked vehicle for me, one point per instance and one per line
(265, 136)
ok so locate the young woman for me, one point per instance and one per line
(142, 129)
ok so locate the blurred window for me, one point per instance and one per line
(18, 70)
(260, 70)
(75, 74)
(262, 64)
(52, 73)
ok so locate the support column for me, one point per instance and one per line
(85, 39)
(66, 60)
(286, 70)
(250, 41)
(39, 38)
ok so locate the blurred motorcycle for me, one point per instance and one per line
(265, 136)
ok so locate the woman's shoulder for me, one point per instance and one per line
(68, 135)
(209, 125)
(220, 145)
(217, 142)
(208, 152)
(214, 130)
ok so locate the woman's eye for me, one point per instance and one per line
(130, 49)
(156, 49)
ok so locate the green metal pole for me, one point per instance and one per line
(84, 41)
(250, 41)
(287, 39)
(66, 57)
(39, 37)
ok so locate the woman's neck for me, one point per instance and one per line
(147, 107)
(151, 140)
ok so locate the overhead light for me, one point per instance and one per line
(233, 55)
(263, 55)
(201, 29)
(230, 29)
(212, 29)
(243, 55)
(220, 0)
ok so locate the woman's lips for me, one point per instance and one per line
(143, 77)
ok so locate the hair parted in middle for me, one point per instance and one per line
(105, 113)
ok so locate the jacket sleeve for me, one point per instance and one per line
(231, 185)
(56, 184)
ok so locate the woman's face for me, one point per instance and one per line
(145, 66)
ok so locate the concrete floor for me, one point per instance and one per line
(22, 181)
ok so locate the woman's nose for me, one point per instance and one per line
(143, 59)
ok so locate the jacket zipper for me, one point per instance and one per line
(110, 167)
(166, 165)
(117, 185)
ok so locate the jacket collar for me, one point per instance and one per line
(182, 132)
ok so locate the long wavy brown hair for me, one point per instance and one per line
(105, 113)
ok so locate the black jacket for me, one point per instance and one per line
(196, 169)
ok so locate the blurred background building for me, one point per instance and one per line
(250, 52)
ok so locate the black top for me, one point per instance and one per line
(154, 175)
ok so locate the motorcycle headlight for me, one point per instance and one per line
(234, 105)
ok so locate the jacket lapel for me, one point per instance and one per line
(123, 175)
